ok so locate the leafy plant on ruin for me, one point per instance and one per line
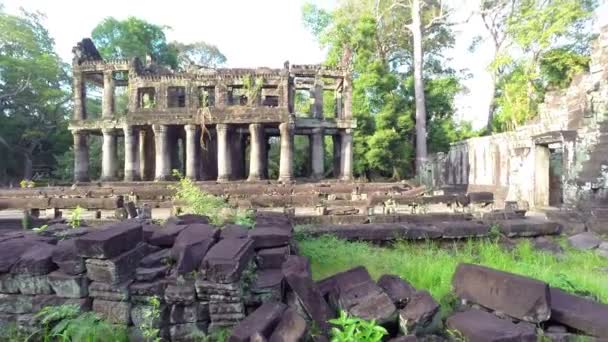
(66, 323)
(252, 88)
(75, 217)
(200, 202)
(350, 328)
(41, 228)
(151, 315)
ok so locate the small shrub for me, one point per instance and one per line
(27, 184)
(41, 228)
(355, 329)
(150, 316)
(75, 217)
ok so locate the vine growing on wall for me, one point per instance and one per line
(252, 88)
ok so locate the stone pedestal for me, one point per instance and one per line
(191, 155)
(107, 104)
(317, 153)
(257, 152)
(81, 157)
(224, 167)
(286, 161)
(109, 161)
(163, 158)
(131, 154)
(346, 156)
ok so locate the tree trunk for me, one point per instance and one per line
(492, 105)
(27, 166)
(416, 28)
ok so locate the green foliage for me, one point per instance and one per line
(203, 203)
(151, 317)
(253, 88)
(41, 228)
(558, 66)
(350, 328)
(75, 217)
(431, 266)
(66, 323)
(26, 220)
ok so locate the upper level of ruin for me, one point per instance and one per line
(158, 95)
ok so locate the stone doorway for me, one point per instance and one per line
(548, 170)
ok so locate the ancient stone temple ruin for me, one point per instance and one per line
(215, 122)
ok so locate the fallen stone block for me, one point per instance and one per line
(227, 259)
(8, 284)
(291, 328)
(186, 219)
(148, 229)
(67, 259)
(207, 290)
(180, 293)
(221, 308)
(191, 245)
(261, 321)
(141, 292)
(113, 312)
(165, 237)
(296, 270)
(463, 229)
(271, 257)
(37, 260)
(33, 284)
(159, 258)
(116, 270)
(517, 296)
(116, 293)
(234, 231)
(188, 331)
(110, 241)
(585, 241)
(151, 273)
(419, 314)
(270, 237)
(367, 301)
(22, 304)
(480, 326)
(579, 313)
(528, 227)
(69, 286)
(398, 290)
(268, 286)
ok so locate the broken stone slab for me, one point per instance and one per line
(191, 245)
(186, 219)
(148, 229)
(142, 292)
(188, 331)
(117, 293)
(579, 313)
(268, 286)
(193, 234)
(33, 284)
(271, 257)
(367, 301)
(196, 312)
(11, 251)
(156, 259)
(270, 237)
(234, 231)
(116, 270)
(113, 312)
(8, 284)
(520, 297)
(585, 241)
(419, 315)
(480, 326)
(463, 229)
(291, 328)
(180, 293)
(165, 237)
(530, 226)
(67, 259)
(262, 321)
(151, 273)
(397, 289)
(69, 286)
(37, 260)
(110, 241)
(342, 282)
(296, 270)
(227, 259)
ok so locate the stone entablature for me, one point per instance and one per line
(572, 126)
(221, 108)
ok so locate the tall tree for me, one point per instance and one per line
(33, 95)
(196, 55)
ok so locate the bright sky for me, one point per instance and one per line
(250, 33)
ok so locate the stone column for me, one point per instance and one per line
(224, 161)
(317, 95)
(347, 110)
(346, 155)
(163, 158)
(79, 92)
(337, 139)
(142, 154)
(286, 161)
(317, 153)
(257, 152)
(131, 149)
(81, 157)
(107, 105)
(338, 101)
(109, 160)
(191, 160)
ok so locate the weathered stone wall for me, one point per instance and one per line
(574, 120)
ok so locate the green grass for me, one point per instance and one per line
(429, 266)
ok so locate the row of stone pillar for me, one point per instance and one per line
(136, 153)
